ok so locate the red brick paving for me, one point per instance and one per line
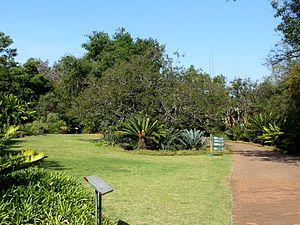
(265, 186)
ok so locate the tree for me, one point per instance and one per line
(293, 83)
(7, 54)
(127, 88)
(103, 51)
(271, 96)
(194, 100)
(243, 101)
(289, 12)
(73, 72)
(25, 81)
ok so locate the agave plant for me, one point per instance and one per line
(143, 129)
(192, 139)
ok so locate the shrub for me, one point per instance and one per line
(39, 196)
(257, 125)
(271, 134)
(111, 137)
(91, 127)
(52, 124)
(37, 127)
(237, 132)
(170, 141)
(192, 139)
(13, 111)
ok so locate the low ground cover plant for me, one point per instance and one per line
(40, 196)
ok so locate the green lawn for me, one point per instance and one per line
(152, 190)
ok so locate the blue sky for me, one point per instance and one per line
(233, 37)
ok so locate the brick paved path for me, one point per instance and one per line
(265, 186)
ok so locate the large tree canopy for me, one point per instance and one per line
(104, 51)
(289, 13)
(7, 54)
(25, 82)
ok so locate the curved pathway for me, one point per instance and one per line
(265, 186)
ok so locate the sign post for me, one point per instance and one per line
(217, 143)
(101, 188)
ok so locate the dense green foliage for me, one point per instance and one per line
(7, 54)
(6, 134)
(25, 82)
(119, 76)
(51, 124)
(38, 196)
(13, 111)
(289, 13)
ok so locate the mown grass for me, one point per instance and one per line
(189, 189)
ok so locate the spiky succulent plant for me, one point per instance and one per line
(192, 139)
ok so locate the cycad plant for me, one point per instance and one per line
(192, 139)
(144, 130)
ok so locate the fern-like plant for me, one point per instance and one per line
(192, 139)
(143, 130)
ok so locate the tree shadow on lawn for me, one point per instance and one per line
(268, 155)
(12, 146)
(53, 165)
(120, 222)
(91, 140)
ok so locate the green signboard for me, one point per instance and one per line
(217, 143)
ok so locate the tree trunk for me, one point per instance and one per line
(141, 143)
